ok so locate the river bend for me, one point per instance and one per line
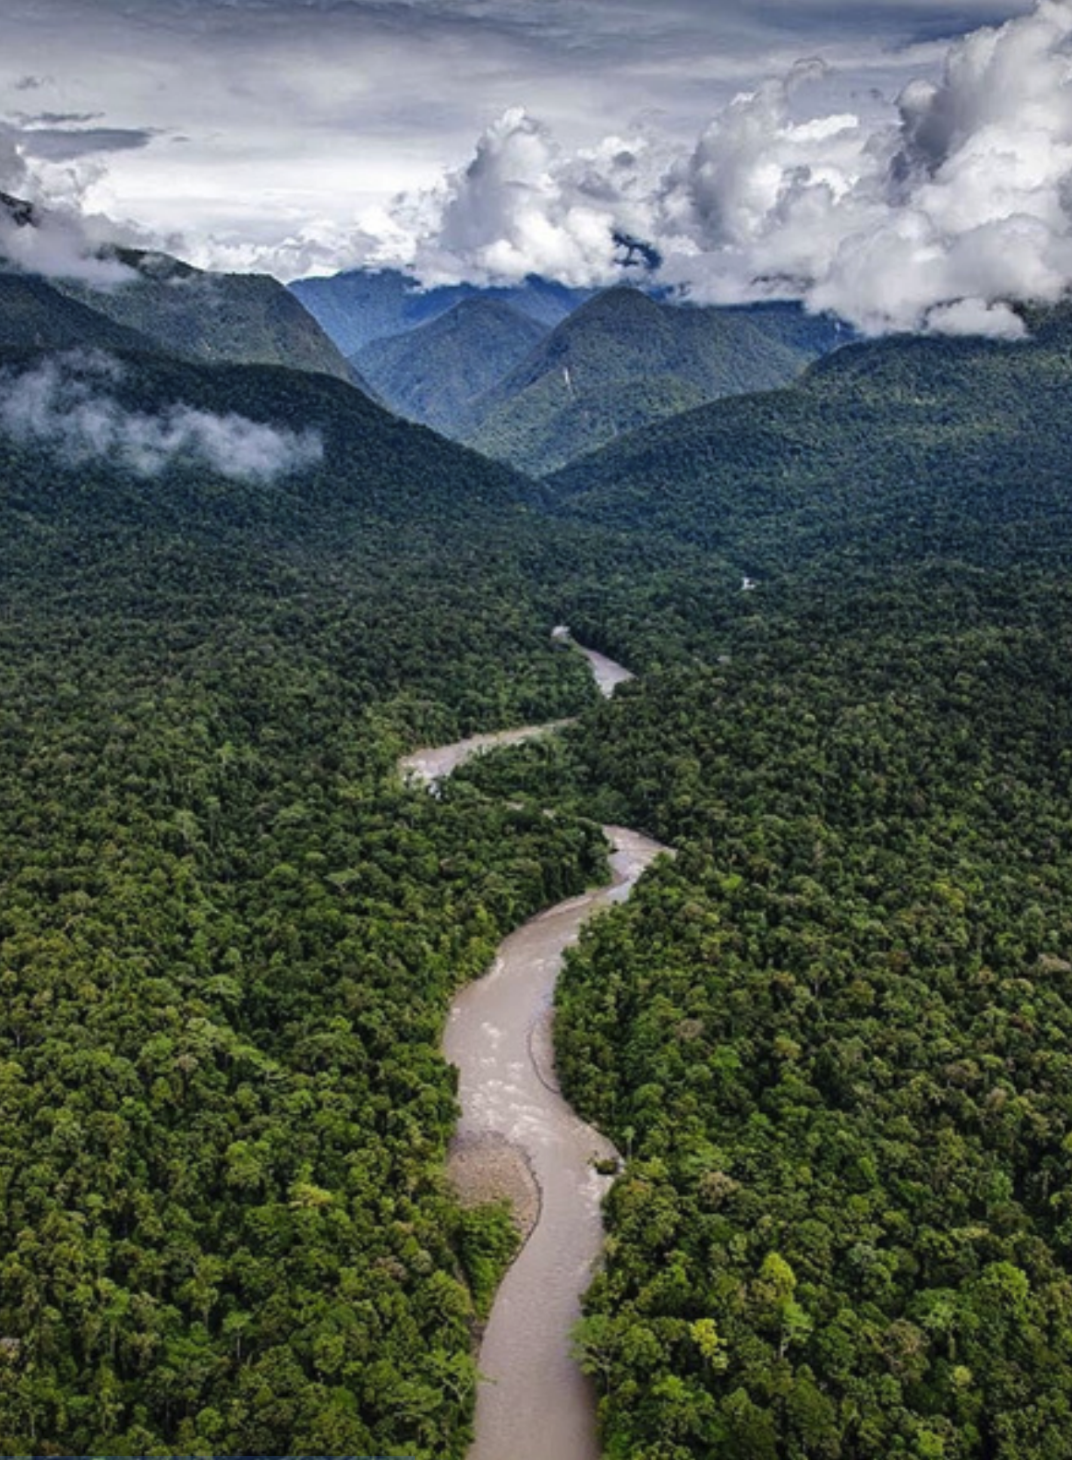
(519, 1135)
(533, 1402)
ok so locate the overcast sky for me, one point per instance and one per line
(484, 137)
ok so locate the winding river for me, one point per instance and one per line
(533, 1402)
(520, 1137)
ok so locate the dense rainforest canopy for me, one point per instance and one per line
(229, 933)
(828, 1038)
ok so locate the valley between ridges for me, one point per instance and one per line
(519, 1140)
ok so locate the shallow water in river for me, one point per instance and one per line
(608, 675)
(533, 1402)
(434, 763)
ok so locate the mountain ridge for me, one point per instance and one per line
(166, 304)
(358, 306)
(438, 371)
(624, 359)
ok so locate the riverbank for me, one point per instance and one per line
(533, 1401)
(518, 1141)
(488, 1168)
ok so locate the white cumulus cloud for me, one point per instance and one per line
(963, 204)
(65, 402)
(523, 206)
(64, 240)
(936, 213)
(936, 219)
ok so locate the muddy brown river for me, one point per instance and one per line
(533, 1402)
(608, 675)
(435, 762)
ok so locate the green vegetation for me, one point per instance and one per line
(247, 318)
(437, 372)
(881, 454)
(34, 315)
(829, 1037)
(624, 360)
(229, 934)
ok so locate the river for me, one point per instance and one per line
(432, 763)
(435, 762)
(608, 675)
(533, 1402)
(517, 1136)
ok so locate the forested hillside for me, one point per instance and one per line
(229, 934)
(248, 318)
(827, 1038)
(34, 315)
(438, 372)
(909, 445)
(624, 360)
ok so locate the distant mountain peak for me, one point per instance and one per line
(437, 372)
(359, 306)
(623, 360)
(152, 263)
(627, 295)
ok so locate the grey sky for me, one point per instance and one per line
(247, 121)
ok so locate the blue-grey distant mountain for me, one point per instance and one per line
(436, 373)
(360, 305)
(624, 360)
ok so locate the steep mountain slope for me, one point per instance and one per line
(435, 373)
(34, 314)
(894, 447)
(623, 360)
(365, 474)
(246, 318)
(360, 305)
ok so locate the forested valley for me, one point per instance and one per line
(828, 1038)
(229, 931)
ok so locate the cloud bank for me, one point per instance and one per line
(936, 213)
(936, 220)
(64, 240)
(65, 403)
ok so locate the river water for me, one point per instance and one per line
(608, 675)
(533, 1402)
(434, 762)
